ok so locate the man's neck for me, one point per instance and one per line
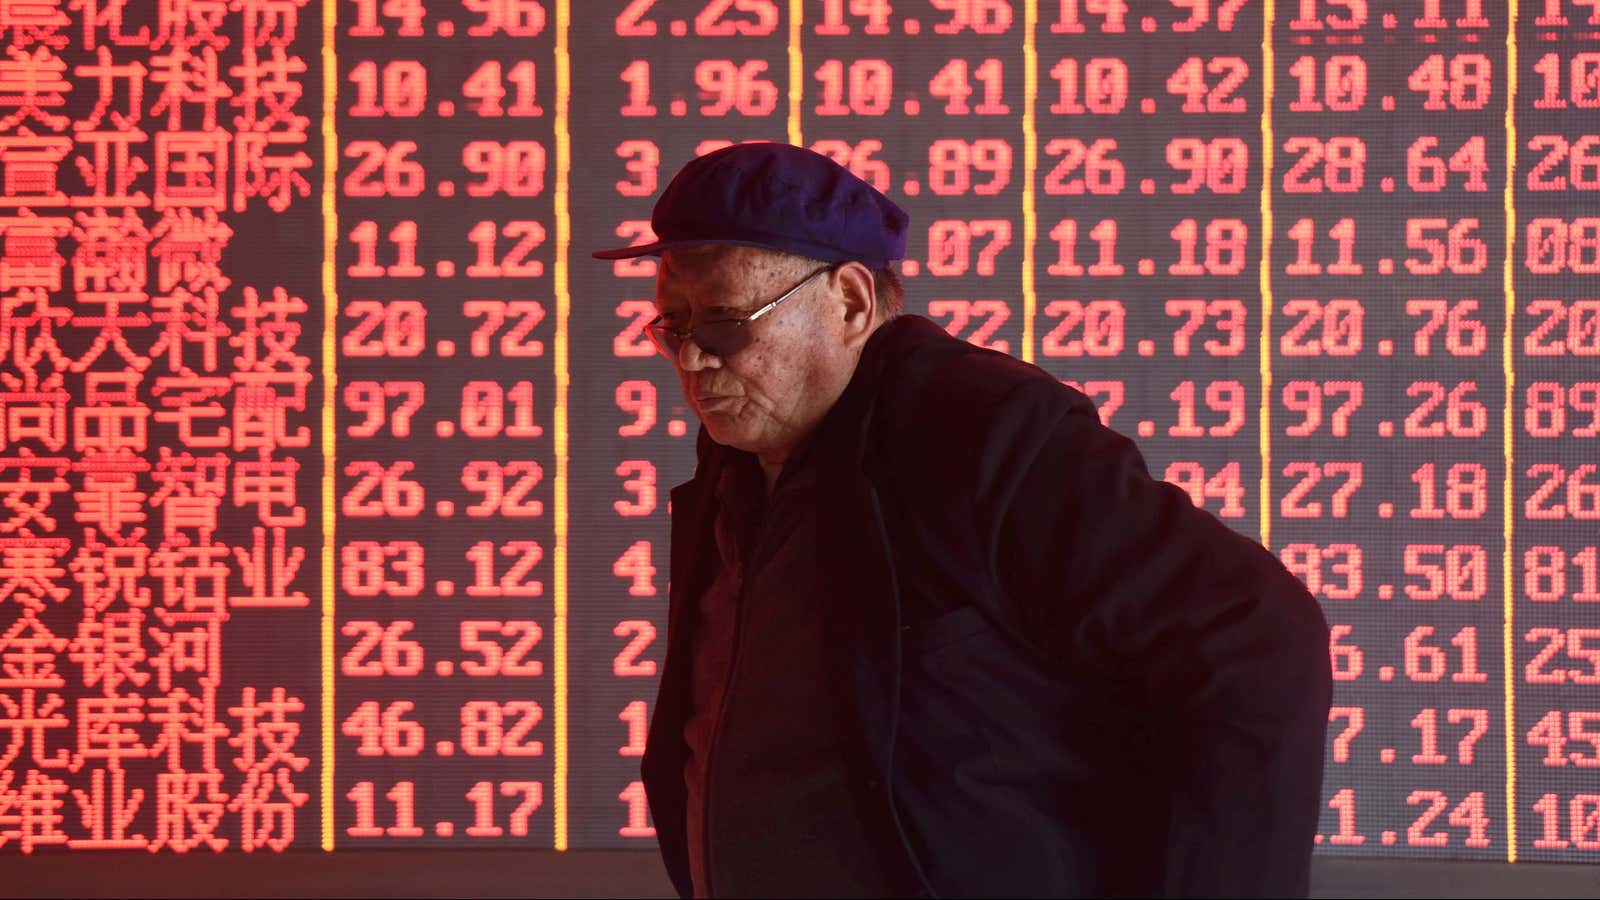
(772, 463)
(771, 468)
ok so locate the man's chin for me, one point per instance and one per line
(721, 430)
(725, 430)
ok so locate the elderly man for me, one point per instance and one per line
(934, 630)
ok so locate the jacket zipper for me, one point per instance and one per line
(716, 730)
(894, 707)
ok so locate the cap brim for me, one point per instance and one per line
(630, 252)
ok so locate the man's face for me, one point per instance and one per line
(772, 393)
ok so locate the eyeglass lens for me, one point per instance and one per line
(715, 338)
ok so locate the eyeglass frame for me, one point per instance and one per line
(659, 333)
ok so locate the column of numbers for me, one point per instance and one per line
(443, 409)
(1147, 259)
(935, 130)
(1555, 425)
(679, 80)
(1387, 406)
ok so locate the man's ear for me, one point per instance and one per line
(858, 303)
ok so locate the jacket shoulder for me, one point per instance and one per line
(943, 403)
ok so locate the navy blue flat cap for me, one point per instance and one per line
(779, 197)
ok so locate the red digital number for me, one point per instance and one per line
(1549, 734)
(953, 84)
(1461, 83)
(364, 568)
(1463, 417)
(514, 169)
(1355, 720)
(399, 90)
(1113, 14)
(1464, 335)
(726, 86)
(984, 316)
(397, 328)
(1225, 485)
(1456, 250)
(1337, 165)
(627, 664)
(950, 245)
(1581, 336)
(631, 341)
(371, 399)
(1344, 84)
(1460, 572)
(1580, 500)
(1545, 576)
(486, 87)
(1430, 174)
(1344, 562)
(384, 730)
(876, 12)
(1227, 397)
(1208, 85)
(517, 581)
(1466, 491)
(381, 490)
(1583, 822)
(481, 636)
(523, 315)
(639, 480)
(1468, 814)
(1098, 87)
(1340, 333)
(982, 16)
(514, 18)
(951, 162)
(397, 655)
(1353, 17)
(1582, 75)
(1556, 246)
(1573, 641)
(1427, 723)
(400, 177)
(865, 89)
(635, 566)
(504, 487)
(1220, 165)
(1102, 322)
(1228, 316)
(1305, 397)
(491, 728)
(1545, 415)
(1103, 173)
(1294, 504)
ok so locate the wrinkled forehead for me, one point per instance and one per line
(714, 274)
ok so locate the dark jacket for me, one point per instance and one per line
(1064, 679)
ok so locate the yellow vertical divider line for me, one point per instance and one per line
(1030, 168)
(797, 12)
(563, 378)
(330, 381)
(1269, 14)
(1508, 363)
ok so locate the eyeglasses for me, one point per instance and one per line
(721, 338)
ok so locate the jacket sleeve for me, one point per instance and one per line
(1121, 575)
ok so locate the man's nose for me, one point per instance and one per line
(692, 358)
